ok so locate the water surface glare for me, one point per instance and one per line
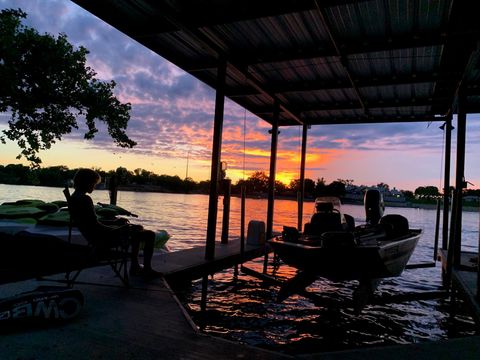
(243, 308)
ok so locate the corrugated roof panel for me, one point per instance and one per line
(354, 21)
(395, 51)
(179, 45)
(405, 91)
(428, 58)
(299, 70)
(373, 93)
(399, 62)
(400, 111)
(423, 89)
(283, 32)
(408, 16)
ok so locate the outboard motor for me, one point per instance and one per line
(374, 206)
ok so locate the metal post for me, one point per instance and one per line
(448, 274)
(437, 229)
(242, 224)
(446, 181)
(273, 164)
(478, 265)
(227, 187)
(302, 178)
(216, 155)
(113, 189)
(271, 180)
(459, 176)
(203, 299)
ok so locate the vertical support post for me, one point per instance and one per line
(273, 164)
(227, 189)
(478, 264)
(448, 275)
(203, 299)
(446, 181)
(437, 230)
(302, 178)
(271, 180)
(460, 175)
(113, 189)
(242, 223)
(216, 155)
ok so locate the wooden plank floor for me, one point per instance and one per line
(143, 322)
(190, 264)
(466, 283)
(147, 322)
(464, 280)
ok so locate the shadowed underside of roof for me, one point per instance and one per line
(322, 62)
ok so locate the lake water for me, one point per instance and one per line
(244, 309)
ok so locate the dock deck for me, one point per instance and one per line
(464, 280)
(190, 264)
(146, 321)
(142, 322)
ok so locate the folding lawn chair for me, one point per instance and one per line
(116, 256)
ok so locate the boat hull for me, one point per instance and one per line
(384, 259)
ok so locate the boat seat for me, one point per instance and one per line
(322, 222)
(290, 234)
(338, 239)
(394, 225)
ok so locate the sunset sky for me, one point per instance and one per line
(172, 120)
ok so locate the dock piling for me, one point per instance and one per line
(227, 189)
(437, 230)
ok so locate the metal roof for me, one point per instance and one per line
(324, 62)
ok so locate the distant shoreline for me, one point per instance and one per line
(157, 189)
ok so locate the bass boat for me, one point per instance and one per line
(332, 247)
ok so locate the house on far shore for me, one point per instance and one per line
(354, 195)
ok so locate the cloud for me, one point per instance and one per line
(172, 112)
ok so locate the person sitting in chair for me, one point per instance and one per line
(105, 236)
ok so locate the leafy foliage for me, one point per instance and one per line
(46, 85)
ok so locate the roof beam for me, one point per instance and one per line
(349, 49)
(389, 103)
(327, 85)
(372, 119)
(418, 40)
(319, 85)
(355, 106)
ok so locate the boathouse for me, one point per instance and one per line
(312, 63)
(316, 62)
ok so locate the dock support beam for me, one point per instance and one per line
(216, 156)
(302, 178)
(446, 181)
(460, 176)
(273, 164)
(227, 191)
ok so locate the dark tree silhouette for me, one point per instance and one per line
(46, 86)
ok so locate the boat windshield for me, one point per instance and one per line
(327, 203)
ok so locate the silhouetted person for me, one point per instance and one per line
(106, 236)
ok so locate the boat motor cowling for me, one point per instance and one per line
(374, 206)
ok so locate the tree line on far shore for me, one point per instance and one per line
(143, 180)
